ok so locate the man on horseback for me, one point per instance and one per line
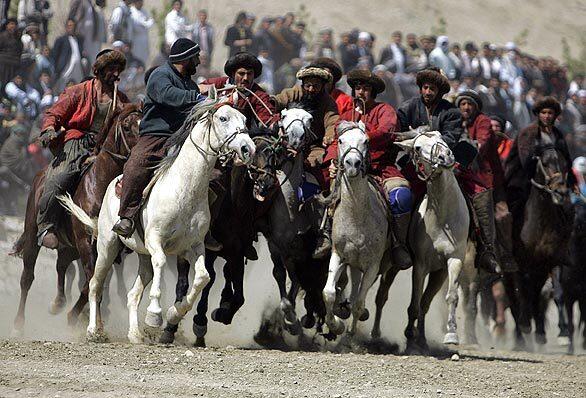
(381, 123)
(170, 95)
(69, 129)
(247, 97)
(430, 109)
(343, 100)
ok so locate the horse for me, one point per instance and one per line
(114, 142)
(175, 217)
(546, 227)
(233, 226)
(360, 229)
(438, 234)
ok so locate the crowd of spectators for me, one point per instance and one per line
(33, 71)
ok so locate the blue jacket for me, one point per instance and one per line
(169, 99)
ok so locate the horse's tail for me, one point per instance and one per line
(18, 246)
(90, 223)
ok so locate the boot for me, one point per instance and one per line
(124, 227)
(400, 253)
(49, 240)
(484, 210)
(212, 244)
(324, 241)
(504, 228)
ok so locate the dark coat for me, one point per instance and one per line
(61, 53)
(169, 99)
(386, 58)
(10, 49)
(445, 118)
(234, 33)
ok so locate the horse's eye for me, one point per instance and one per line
(340, 141)
(223, 119)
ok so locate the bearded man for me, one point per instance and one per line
(343, 100)
(381, 123)
(248, 97)
(69, 129)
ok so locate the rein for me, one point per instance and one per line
(119, 136)
(433, 162)
(546, 187)
(219, 152)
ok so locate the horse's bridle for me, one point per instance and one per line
(308, 135)
(120, 137)
(546, 187)
(417, 158)
(364, 161)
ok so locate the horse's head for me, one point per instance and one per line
(551, 175)
(120, 132)
(229, 126)
(352, 149)
(267, 159)
(429, 152)
(296, 124)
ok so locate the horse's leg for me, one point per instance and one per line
(334, 323)
(159, 259)
(29, 259)
(225, 312)
(200, 320)
(558, 297)
(108, 247)
(87, 257)
(120, 285)
(569, 307)
(382, 295)
(70, 277)
(181, 287)
(238, 286)
(144, 277)
(342, 305)
(539, 307)
(64, 259)
(413, 312)
(454, 268)
(499, 296)
(201, 278)
(434, 284)
(469, 297)
(512, 284)
(358, 304)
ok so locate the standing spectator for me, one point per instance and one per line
(35, 11)
(285, 76)
(45, 88)
(141, 23)
(394, 56)
(469, 60)
(483, 63)
(297, 41)
(176, 25)
(455, 56)
(203, 34)
(91, 25)
(348, 51)
(238, 36)
(509, 69)
(25, 97)
(44, 63)
(262, 37)
(121, 23)
(266, 78)
(31, 40)
(324, 47)
(66, 57)
(10, 52)
(364, 50)
(439, 57)
(416, 58)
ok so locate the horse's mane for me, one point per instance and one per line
(175, 142)
(118, 114)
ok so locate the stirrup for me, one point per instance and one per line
(122, 230)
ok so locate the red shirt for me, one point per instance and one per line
(243, 105)
(343, 100)
(488, 159)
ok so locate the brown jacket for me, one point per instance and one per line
(324, 118)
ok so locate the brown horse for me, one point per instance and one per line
(113, 145)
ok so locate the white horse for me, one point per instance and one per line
(438, 234)
(360, 229)
(175, 218)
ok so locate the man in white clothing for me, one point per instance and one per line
(141, 23)
(439, 57)
(203, 34)
(176, 25)
(91, 25)
(26, 98)
(121, 23)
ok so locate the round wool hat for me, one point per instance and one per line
(357, 76)
(243, 60)
(472, 96)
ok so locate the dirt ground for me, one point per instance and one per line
(52, 360)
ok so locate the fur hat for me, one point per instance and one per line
(107, 57)
(547, 103)
(183, 49)
(243, 60)
(434, 76)
(329, 64)
(312, 71)
(470, 95)
(366, 77)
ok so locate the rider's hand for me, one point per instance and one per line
(333, 170)
(47, 136)
(327, 140)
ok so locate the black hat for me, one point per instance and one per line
(183, 49)
(470, 95)
(243, 60)
(366, 77)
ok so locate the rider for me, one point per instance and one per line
(430, 109)
(381, 122)
(68, 130)
(248, 97)
(528, 145)
(343, 100)
(478, 180)
(170, 95)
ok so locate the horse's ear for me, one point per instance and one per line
(213, 93)
(362, 126)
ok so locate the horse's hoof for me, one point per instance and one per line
(222, 315)
(57, 306)
(96, 336)
(375, 334)
(294, 328)
(342, 310)
(153, 319)
(135, 337)
(451, 338)
(200, 330)
(17, 333)
(167, 337)
(173, 316)
(337, 327)
(563, 341)
(540, 339)
(200, 342)
(364, 316)
(308, 321)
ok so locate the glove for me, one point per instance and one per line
(47, 136)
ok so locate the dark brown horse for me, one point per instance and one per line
(113, 145)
